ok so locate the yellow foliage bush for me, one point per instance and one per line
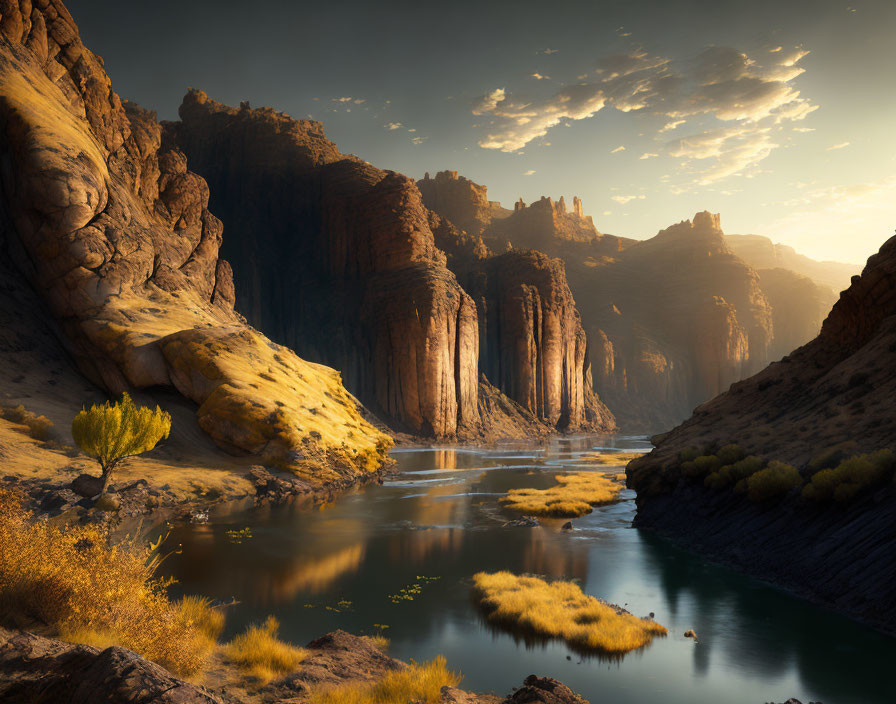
(71, 580)
(573, 496)
(561, 610)
(851, 476)
(774, 481)
(259, 652)
(730, 475)
(420, 683)
(112, 432)
(39, 427)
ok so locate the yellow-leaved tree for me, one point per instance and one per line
(113, 432)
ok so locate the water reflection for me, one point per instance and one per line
(439, 518)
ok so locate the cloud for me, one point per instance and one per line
(418, 140)
(620, 148)
(529, 172)
(550, 51)
(539, 77)
(346, 99)
(393, 126)
(626, 199)
(842, 145)
(648, 155)
(720, 86)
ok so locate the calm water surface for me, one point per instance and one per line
(438, 521)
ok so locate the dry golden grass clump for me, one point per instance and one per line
(612, 458)
(574, 496)
(39, 427)
(417, 683)
(260, 653)
(561, 610)
(87, 592)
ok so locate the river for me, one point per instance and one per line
(437, 521)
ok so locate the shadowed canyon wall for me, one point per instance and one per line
(104, 220)
(337, 259)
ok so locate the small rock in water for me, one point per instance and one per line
(525, 522)
(567, 526)
(690, 634)
(650, 615)
(199, 516)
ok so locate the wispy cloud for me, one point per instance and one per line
(529, 172)
(620, 148)
(721, 85)
(418, 140)
(627, 199)
(648, 155)
(393, 126)
(841, 145)
(550, 51)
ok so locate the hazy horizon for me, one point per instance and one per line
(773, 116)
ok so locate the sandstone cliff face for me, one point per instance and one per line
(799, 306)
(106, 222)
(837, 390)
(336, 259)
(531, 342)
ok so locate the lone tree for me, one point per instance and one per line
(113, 432)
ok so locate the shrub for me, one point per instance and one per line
(113, 432)
(774, 481)
(573, 496)
(39, 427)
(561, 610)
(730, 454)
(851, 476)
(689, 454)
(259, 652)
(86, 591)
(731, 474)
(832, 456)
(420, 683)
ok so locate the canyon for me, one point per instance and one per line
(671, 321)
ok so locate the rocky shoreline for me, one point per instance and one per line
(35, 669)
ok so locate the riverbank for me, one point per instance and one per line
(36, 669)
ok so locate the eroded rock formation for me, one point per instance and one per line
(106, 222)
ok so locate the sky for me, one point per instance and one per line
(778, 115)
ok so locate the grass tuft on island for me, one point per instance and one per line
(573, 496)
(417, 683)
(260, 653)
(85, 591)
(560, 609)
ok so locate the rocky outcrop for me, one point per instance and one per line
(834, 392)
(105, 221)
(458, 199)
(544, 222)
(38, 670)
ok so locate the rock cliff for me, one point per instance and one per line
(338, 259)
(102, 217)
(825, 402)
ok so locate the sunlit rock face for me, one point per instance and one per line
(532, 345)
(336, 259)
(461, 201)
(105, 220)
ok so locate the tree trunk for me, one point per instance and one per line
(107, 477)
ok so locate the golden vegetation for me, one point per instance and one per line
(612, 458)
(113, 432)
(260, 653)
(574, 495)
(39, 427)
(773, 482)
(561, 610)
(843, 482)
(417, 683)
(72, 581)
